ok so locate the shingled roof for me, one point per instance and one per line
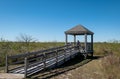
(78, 30)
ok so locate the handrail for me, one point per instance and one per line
(37, 52)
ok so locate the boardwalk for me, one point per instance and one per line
(33, 62)
(50, 58)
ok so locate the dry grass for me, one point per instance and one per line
(107, 67)
(111, 66)
(91, 70)
(106, 48)
(103, 68)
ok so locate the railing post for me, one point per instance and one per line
(6, 64)
(25, 68)
(71, 53)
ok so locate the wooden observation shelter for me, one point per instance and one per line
(81, 30)
(27, 64)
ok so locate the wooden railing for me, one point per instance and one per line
(32, 62)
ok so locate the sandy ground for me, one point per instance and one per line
(11, 76)
(91, 70)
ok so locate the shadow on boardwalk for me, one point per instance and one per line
(69, 65)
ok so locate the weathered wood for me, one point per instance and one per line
(37, 57)
(32, 55)
(37, 52)
(16, 68)
(85, 42)
(51, 58)
(66, 39)
(74, 40)
(19, 55)
(35, 63)
(92, 42)
(81, 30)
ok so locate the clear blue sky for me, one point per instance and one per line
(46, 20)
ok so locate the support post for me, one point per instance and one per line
(92, 45)
(6, 64)
(92, 42)
(66, 39)
(86, 43)
(74, 40)
(26, 64)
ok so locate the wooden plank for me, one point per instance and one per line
(16, 68)
(35, 63)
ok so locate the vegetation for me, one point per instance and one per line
(111, 61)
(111, 52)
(111, 66)
(106, 48)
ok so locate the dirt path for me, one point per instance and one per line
(11, 76)
(91, 70)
